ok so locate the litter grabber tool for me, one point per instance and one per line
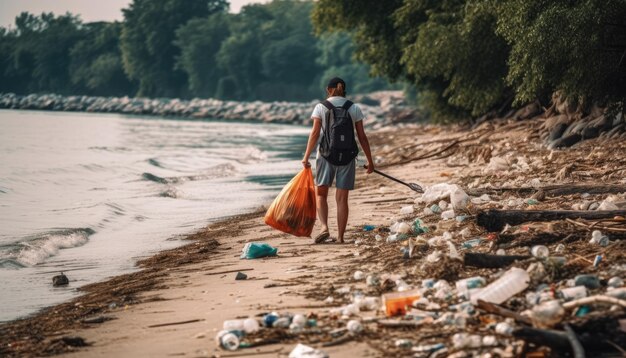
(413, 186)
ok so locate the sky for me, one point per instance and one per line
(89, 10)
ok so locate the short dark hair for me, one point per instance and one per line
(335, 81)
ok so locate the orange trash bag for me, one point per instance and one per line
(293, 210)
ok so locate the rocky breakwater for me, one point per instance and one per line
(568, 123)
(382, 108)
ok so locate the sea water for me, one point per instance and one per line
(89, 194)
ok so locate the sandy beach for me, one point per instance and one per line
(177, 302)
(186, 284)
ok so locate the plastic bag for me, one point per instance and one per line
(293, 210)
(254, 250)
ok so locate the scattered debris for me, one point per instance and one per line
(60, 280)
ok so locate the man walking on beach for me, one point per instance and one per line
(335, 119)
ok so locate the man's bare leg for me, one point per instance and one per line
(342, 211)
(322, 206)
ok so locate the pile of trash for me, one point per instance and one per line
(435, 283)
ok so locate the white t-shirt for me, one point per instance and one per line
(320, 112)
(355, 111)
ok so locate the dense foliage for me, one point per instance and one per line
(469, 57)
(181, 48)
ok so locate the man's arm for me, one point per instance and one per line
(365, 145)
(313, 137)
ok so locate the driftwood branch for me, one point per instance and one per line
(175, 323)
(475, 259)
(495, 220)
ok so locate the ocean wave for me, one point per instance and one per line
(170, 192)
(38, 249)
(217, 171)
(251, 154)
(110, 149)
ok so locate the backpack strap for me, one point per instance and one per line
(327, 104)
(347, 105)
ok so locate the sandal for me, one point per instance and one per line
(323, 236)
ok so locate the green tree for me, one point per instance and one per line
(40, 52)
(337, 59)
(96, 61)
(448, 49)
(565, 45)
(147, 41)
(199, 41)
(271, 53)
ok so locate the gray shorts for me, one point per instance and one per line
(326, 172)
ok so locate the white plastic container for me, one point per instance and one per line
(511, 283)
(540, 251)
(233, 325)
(574, 293)
(248, 325)
(229, 341)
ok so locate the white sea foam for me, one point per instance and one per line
(39, 250)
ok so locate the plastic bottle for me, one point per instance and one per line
(396, 302)
(504, 328)
(448, 214)
(250, 325)
(354, 326)
(540, 251)
(269, 319)
(547, 314)
(512, 282)
(358, 275)
(471, 282)
(233, 325)
(471, 243)
(372, 280)
(403, 343)
(589, 281)
(599, 239)
(229, 341)
(299, 319)
(616, 282)
(573, 293)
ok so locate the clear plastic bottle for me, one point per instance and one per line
(233, 325)
(540, 251)
(511, 283)
(229, 341)
(354, 326)
(573, 293)
(250, 325)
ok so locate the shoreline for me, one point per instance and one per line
(382, 108)
(101, 301)
(117, 291)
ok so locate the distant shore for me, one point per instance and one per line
(382, 108)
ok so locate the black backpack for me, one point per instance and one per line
(338, 145)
